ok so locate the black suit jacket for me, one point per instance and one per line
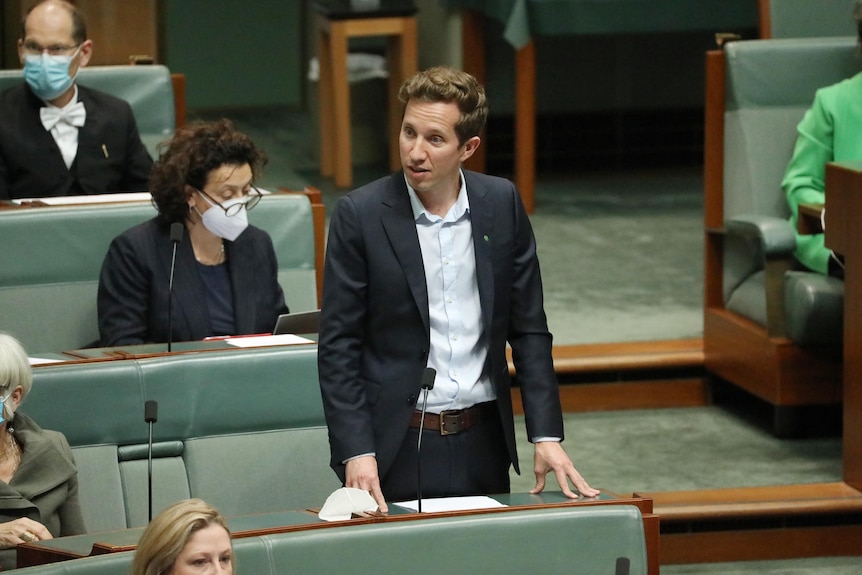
(31, 165)
(374, 330)
(133, 287)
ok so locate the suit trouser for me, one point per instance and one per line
(473, 462)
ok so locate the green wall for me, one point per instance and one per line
(236, 53)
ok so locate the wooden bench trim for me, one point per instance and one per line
(750, 502)
(625, 356)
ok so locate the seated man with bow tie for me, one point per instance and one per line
(58, 138)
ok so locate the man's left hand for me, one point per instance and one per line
(550, 456)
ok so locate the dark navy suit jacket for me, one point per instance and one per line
(375, 334)
(133, 287)
(110, 158)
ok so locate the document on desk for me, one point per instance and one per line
(440, 504)
(264, 340)
(43, 360)
(93, 199)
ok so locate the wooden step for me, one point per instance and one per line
(632, 375)
(757, 523)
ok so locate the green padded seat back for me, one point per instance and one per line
(234, 391)
(170, 479)
(769, 86)
(108, 564)
(287, 218)
(100, 489)
(598, 538)
(261, 472)
(148, 90)
(89, 403)
(51, 271)
(251, 556)
(810, 19)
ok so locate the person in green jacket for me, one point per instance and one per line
(830, 131)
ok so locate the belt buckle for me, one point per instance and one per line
(451, 422)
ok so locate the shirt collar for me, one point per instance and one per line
(456, 212)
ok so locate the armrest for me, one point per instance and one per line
(775, 235)
(809, 221)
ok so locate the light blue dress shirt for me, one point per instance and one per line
(457, 350)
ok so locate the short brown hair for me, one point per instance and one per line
(444, 84)
(167, 534)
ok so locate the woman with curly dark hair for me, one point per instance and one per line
(225, 279)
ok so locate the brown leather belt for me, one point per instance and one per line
(455, 420)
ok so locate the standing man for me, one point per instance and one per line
(436, 267)
(58, 138)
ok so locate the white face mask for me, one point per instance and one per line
(218, 222)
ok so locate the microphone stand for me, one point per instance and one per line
(151, 409)
(427, 385)
(176, 238)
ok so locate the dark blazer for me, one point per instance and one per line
(31, 165)
(375, 334)
(45, 486)
(133, 287)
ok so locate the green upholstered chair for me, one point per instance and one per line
(54, 255)
(51, 270)
(562, 540)
(148, 90)
(242, 429)
(806, 18)
(772, 331)
(108, 564)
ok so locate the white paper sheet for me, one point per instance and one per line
(436, 505)
(43, 360)
(93, 199)
(263, 340)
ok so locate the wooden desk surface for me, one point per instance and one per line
(65, 548)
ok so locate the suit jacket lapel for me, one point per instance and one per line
(53, 160)
(400, 227)
(482, 222)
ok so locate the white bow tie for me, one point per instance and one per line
(74, 115)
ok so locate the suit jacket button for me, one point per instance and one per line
(411, 400)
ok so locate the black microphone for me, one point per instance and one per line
(151, 415)
(176, 237)
(427, 385)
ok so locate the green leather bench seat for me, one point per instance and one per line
(54, 254)
(148, 90)
(766, 97)
(243, 429)
(562, 540)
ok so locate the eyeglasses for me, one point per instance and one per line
(34, 49)
(252, 199)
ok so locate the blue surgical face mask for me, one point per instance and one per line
(3, 408)
(47, 75)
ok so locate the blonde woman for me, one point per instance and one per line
(38, 477)
(188, 538)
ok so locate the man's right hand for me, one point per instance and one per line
(361, 473)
